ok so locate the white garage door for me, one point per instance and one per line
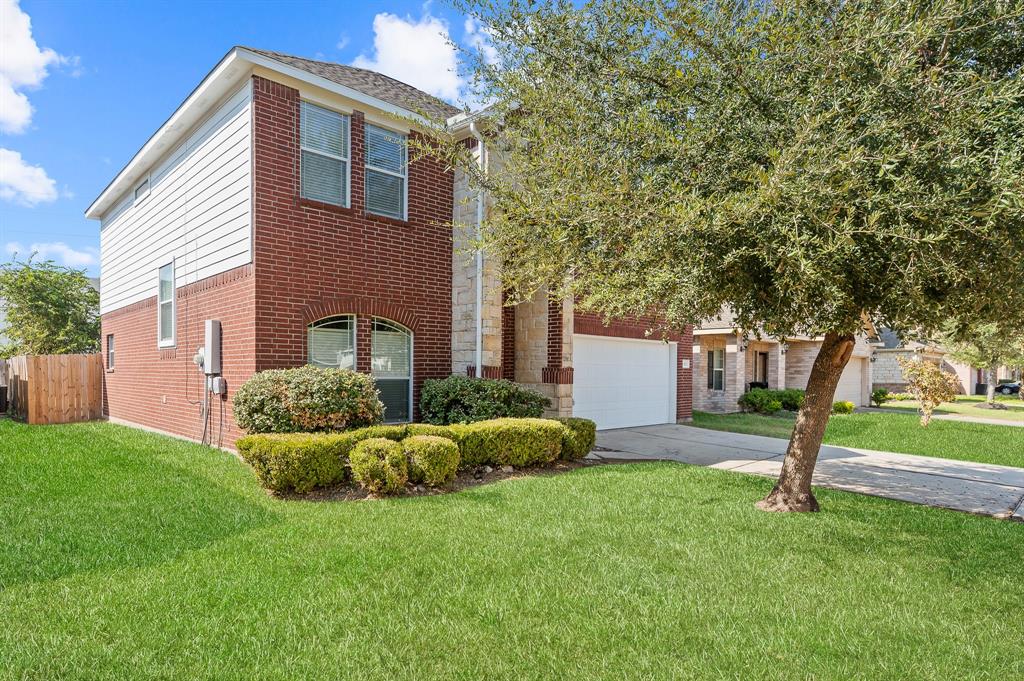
(622, 382)
(850, 382)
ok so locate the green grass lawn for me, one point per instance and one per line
(125, 554)
(893, 432)
(967, 405)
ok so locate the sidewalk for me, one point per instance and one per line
(960, 485)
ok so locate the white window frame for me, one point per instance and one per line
(717, 369)
(110, 352)
(147, 182)
(347, 160)
(412, 362)
(160, 340)
(355, 338)
(403, 175)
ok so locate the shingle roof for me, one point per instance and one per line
(368, 82)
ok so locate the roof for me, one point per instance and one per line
(368, 82)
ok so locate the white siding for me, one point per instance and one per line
(198, 211)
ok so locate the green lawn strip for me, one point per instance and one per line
(968, 406)
(132, 555)
(891, 432)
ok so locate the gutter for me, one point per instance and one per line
(479, 354)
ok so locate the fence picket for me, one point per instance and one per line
(55, 388)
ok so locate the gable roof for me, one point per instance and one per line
(368, 82)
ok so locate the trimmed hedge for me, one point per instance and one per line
(297, 462)
(578, 438)
(842, 407)
(379, 465)
(509, 442)
(764, 401)
(306, 399)
(432, 459)
(461, 399)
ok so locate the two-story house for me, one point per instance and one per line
(279, 199)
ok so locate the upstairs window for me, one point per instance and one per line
(324, 148)
(165, 306)
(110, 351)
(716, 369)
(386, 170)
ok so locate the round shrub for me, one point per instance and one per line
(879, 396)
(760, 400)
(432, 459)
(379, 465)
(296, 462)
(461, 399)
(578, 438)
(509, 442)
(307, 399)
(791, 398)
(842, 407)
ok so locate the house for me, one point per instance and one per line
(889, 375)
(277, 200)
(727, 362)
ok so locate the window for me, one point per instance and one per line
(323, 142)
(385, 172)
(332, 342)
(716, 369)
(142, 191)
(165, 306)
(391, 367)
(110, 351)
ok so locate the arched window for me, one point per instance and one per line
(332, 342)
(391, 367)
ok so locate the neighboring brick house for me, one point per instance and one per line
(278, 200)
(727, 363)
(889, 375)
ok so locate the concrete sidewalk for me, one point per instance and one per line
(960, 485)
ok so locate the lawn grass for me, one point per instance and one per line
(967, 405)
(891, 432)
(124, 554)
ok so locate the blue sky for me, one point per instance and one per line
(84, 84)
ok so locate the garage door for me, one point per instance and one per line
(622, 382)
(850, 382)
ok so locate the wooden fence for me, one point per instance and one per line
(55, 388)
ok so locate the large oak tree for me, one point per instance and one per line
(805, 163)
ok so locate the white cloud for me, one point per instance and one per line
(22, 65)
(417, 52)
(478, 37)
(343, 42)
(23, 183)
(57, 251)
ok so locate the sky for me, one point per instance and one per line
(84, 84)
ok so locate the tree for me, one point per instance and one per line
(51, 310)
(807, 163)
(930, 385)
(987, 347)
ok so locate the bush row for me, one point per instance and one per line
(764, 401)
(299, 462)
(461, 399)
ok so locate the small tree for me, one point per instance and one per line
(986, 347)
(930, 385)
(806, 163)
(51, 310)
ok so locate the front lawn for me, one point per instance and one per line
(968, 405)
(892, 432)
(125, 554)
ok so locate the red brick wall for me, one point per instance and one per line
(638, 327)
(314, 259)
(161, 388)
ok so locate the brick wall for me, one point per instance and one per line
(160, 388)
(314, 259)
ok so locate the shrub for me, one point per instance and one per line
(900, 397)
(879, 396)
(792, 398)
(432, 459)
(379, 465)
(460, 399)
(429, 429)
(306, 399)
(509, 442)
(842, 407)
(296, 462)
(760, 400)
(929, 384)
(578, 437)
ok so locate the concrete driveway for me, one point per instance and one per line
(961, 485)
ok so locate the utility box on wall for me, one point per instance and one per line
(211, 348)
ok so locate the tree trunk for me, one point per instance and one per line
(793, 490)
(990, 387)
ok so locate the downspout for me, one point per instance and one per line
(479, 354)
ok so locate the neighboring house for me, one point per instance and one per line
(277, 200)
(889, 375)
(728, 362)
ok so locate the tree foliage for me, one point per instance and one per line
(51, 310)
(987, 347)
(930, 385)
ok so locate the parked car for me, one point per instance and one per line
(1009, 388)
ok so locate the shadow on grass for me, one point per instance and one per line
(83, 500)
